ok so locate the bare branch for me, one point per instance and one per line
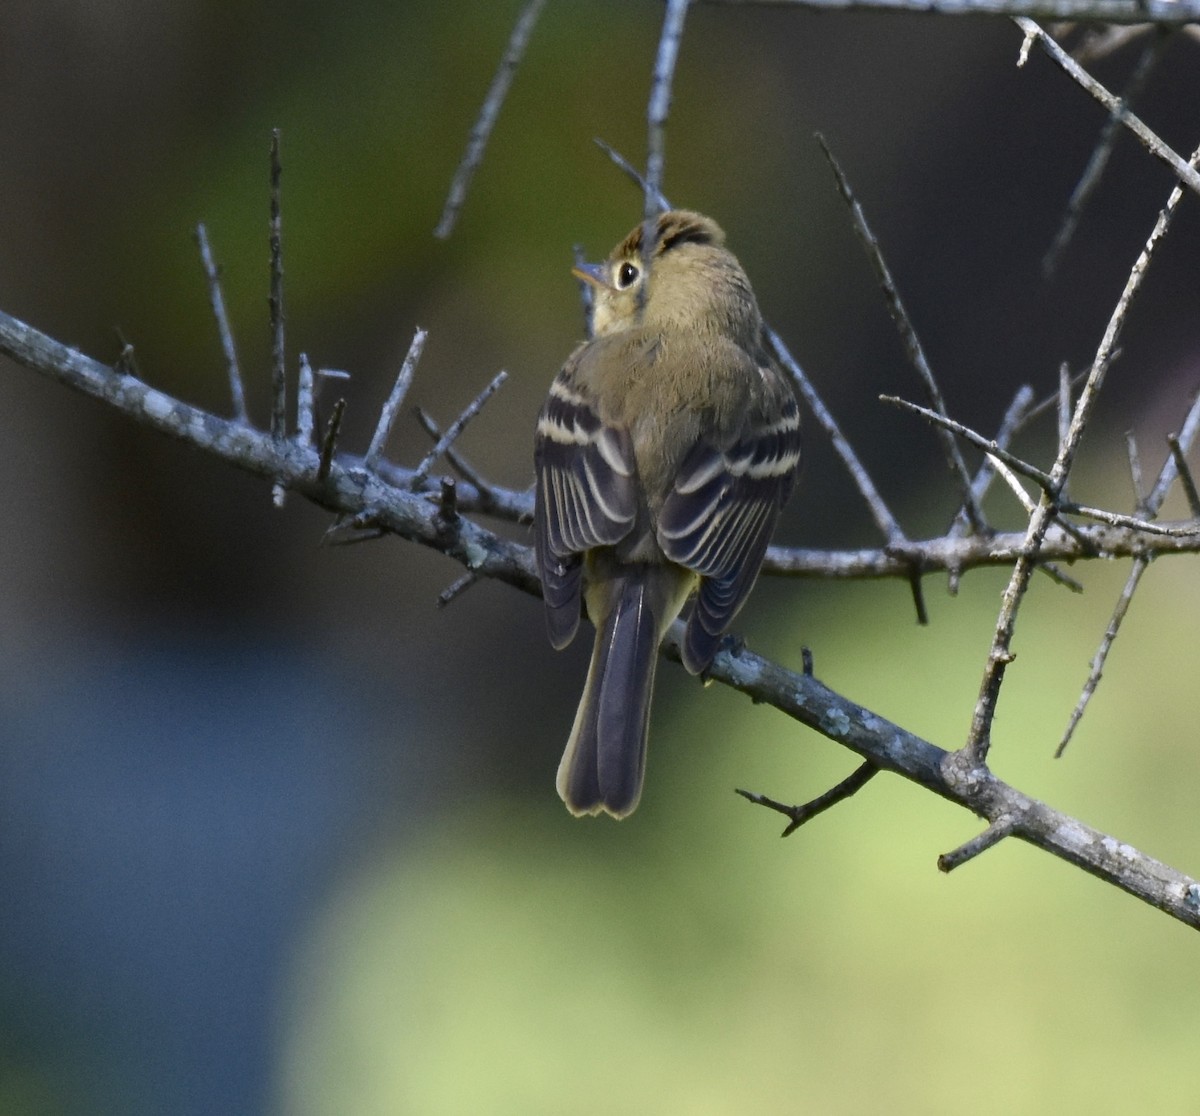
(482, 131)
(1064, 403)
(1101, 42)
(953, 777)
(1186, 438)
(349, 489)
(1147, 506)
(387, 416)
(464, 467)
(350, 530)
(1172, 13)
(884, 520)
(1157, 147)
(1103, 149)
(1014, 485)
(1002, 827)
(988, 445)
(1116, 519)
(946, 554)
(630, 171)
(1052, 401)
(216, 299)
(305, 402)
(329, 442)
(1135, 470)
(908, 334)
(798, 815)
(659, 106)
(1140, 565)
(448, 501)
(1185, 475)
(346, 488)
(1013, 419)
(452, 592)
(456, 428)
(278, 360)
(657, 109)
(1000, 654)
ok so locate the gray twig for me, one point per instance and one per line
(1051, 401)
(1149, 508)
(329, 442)
(1172, 13)
(349, 530)
(457, 589)
(1140, 565)
(1185, 476)
(353, 491)
(1003, 826)
(657, 110)
(988, 445)
(884, 520)
(1157, 147)
(1170, 469)
(1135, 470)
(455, 429)
(465, 469)
(305, 402)
(631, 172)
(798, 815)
(1103, 150)
(1014, 418)
(972, 552)
(278, 361)
(486, 121)
(216, 298)
(1064, 403)
(387, 416)
(659, 105)
(1000, 653)
(1099, 43)
(1133, 522)
(908, 334)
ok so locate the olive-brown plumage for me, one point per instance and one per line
(664, 452)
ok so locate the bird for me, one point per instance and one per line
(666, 447)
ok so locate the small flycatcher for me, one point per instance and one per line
(664, 452)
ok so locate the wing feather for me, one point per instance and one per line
(586, 496)
(718, 518)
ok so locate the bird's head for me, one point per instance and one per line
(693, 283)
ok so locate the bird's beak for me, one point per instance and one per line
(592, 274)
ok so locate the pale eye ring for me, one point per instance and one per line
(627, 275)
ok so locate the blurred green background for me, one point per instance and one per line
(278, 836)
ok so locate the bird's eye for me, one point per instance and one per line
(627, 275)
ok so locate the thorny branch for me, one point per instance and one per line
(371, 492)
(1157, 147)
(916, 352)
(385, 499)
(492, 103)
(1000, 655)
(1102, 152)
(1167, 13)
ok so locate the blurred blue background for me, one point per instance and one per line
(279, 836)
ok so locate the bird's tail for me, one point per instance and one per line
(605, 758)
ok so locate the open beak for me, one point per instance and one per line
(592, 274)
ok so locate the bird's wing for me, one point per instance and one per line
(722, 508)
(586, 495)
